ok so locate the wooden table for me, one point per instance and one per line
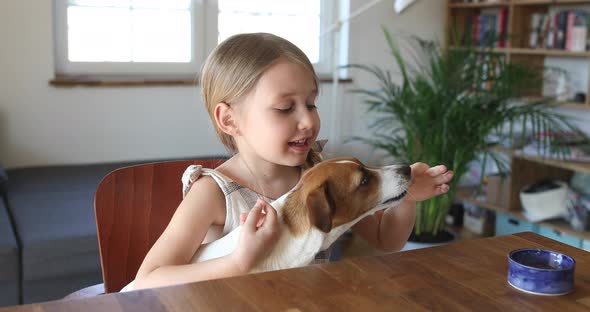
(467, 275)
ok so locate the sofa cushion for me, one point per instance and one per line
(58, 233)
(53, 209)
(3, 179)
(9, 264)
(57, 288)
(54, 216)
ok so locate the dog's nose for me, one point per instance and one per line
(405, 171)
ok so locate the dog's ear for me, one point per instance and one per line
(321, 208)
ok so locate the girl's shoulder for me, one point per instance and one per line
(194, 173)
(226, 197)
(204, 193)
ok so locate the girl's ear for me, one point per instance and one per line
(225, 119)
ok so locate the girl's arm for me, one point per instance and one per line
(390, 229)
(168, 261)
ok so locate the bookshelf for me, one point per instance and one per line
(472, 5)
(516, 31)
(577, 166)
(467, 195)
(525, 170)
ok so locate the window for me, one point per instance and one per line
(126, 36)
(297, 21)
(174, 36)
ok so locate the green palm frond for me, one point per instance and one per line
(443, 106)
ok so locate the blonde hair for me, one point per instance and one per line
(235, 66)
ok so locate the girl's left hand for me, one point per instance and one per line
(428, 182)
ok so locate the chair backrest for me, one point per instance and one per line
(133, 206)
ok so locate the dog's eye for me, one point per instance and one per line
(365, 179)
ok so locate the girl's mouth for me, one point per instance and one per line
(302, 142)
(299, 145)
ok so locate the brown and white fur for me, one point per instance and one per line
(329, 199)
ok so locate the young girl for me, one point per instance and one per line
(260, 90)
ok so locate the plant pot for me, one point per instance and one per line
(428, 240)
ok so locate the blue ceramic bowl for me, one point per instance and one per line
(541, 272)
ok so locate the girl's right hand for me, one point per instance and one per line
(258, 237)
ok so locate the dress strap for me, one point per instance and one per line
(193, 172)
(190, 175)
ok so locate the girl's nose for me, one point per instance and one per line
(306, 120)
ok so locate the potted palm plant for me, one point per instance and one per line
(449, 107)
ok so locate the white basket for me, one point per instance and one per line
(545, 205)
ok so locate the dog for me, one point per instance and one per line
(330, 198)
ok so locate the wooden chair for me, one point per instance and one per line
(133, 206)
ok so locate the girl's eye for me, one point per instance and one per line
(311, 106)
(285, 110)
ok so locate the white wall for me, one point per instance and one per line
(425, 19)
(42, 125)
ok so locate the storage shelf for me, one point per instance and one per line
(548, 2)
(547, 52)
(500, 3)
(573, 105)
(475, 5)
(577, 166)
(566, 105)
(571, 2)
(527, 51)
(532, 2)
(466, 195)
(526, 169)
(563, 164)
(495, 50)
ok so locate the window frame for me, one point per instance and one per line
(204, 39)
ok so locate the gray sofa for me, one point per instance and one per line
(53, 219)
(48, 242)
(9, 253)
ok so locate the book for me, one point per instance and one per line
(535, 30)
(467, 37)
(501, 29)
(485, 35)
(578, 31)
(571, 16)
(550, 39)
(561, 29)
(491, 34)
(475, 35)
(544, 30)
